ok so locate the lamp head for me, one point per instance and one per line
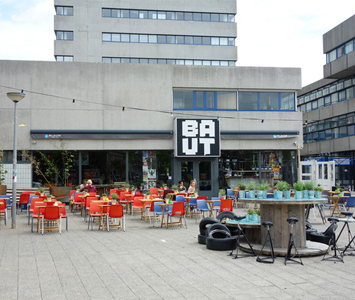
(15, 96)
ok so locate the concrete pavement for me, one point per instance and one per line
(147, 262)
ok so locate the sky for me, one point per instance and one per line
(271, 33)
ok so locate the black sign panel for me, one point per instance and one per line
(197, 137)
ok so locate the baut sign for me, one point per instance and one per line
(197, 137)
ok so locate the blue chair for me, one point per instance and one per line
(202, 207)
(350, 203)
(230, 195)
(217, 205)
(29, 203)
(158, 210)
(180, 198)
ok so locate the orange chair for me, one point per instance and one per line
(115, 212)
(154, 192)
(24, 199)
(78, 201)
(226, 205)
(33, 201)
(88, 200)
(52, 216)
(178, 210)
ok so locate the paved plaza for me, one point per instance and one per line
(147, 262)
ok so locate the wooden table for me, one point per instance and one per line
(335, 201)
(144, 200)
(163, 221)
(211, 204)
(278, 211)
(102, 215)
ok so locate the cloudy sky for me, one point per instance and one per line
(279, 33)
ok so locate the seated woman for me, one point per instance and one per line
(91, 188)
(192, 187)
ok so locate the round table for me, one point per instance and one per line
(277, 211)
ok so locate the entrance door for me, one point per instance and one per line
(204, 171)
(322, 173)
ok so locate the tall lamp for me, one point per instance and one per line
(15, 97)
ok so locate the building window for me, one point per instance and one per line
(64, 58)
(340, 51)
(266, 101)
(183, 99)
(248, 100)
(64, 35)
(64, 10)
(167, 15)
(167, 39)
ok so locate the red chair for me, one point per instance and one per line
(78, 202)
(71, 193)
(178, 210)
(115, 212)
(63, 213)
(3, 210)
(52, 216)
(137, 205)
(88, 200)
(38, 213)
(24, 199)
(94, 212)
(154, 192)
(226, 205)
(117, 191)
(33, 201)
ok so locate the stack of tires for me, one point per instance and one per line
(215, 235)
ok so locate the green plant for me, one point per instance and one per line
(308, 185)
(252, 186)
(258, 212)
(114, 196)
(251, 211)
(174, 187)
(298, 186)
(127, 185)
(104, 195)
(222, 192)
(168, 196)
(2, 171)
(263, 187)
(241, 186)
(40, 190)
(282, 186)
(148, 193)
(86, 190)
(341, 190)
(142, 184)
(318, 188)
(164, 185)
(133, 187)
(77, 187)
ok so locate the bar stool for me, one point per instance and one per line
(241, 232)
(348, 219)
(267, 259)
(292, 221)
(333, 240)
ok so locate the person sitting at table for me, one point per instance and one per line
(83, 184)
(192, 187)
(90, 187)
(181, 187)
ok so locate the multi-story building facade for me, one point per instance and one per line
(198, 32)
(152, 120)
(328, 105)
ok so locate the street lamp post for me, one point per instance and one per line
(15, 97)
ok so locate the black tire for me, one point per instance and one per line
(217, 226)
(319, 237)
(220, 240)
(308, 233)
(205, 223)
(226, 215)
(201, 239)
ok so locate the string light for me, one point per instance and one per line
(21, 92)
(123, 108)
(262, 121)
(171, 114)
(73, 101)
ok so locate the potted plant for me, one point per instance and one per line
(142, 185)
(86, 192)
(127, 186)
(242, 188)
(298, 186)
(251, 189)
(77, 188)
(41, 191)
(148, 194)
(318, 190)
(114, 197)
(168, 198)
(281, 187)
(309, 187)
(251, 215)
(258, 215)
(165, 186)
(262, 189)
(221, 193)
(174, 187)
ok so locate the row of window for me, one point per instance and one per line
(64, 10)
(340, 51)
(187, 62)
(167, 39)
(167, 15)
(328, 100)
(247, 101)
(64, 58)
(329, 134)
(330, 123)
(331, 128)
(64, 35)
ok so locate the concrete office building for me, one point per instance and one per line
(156, 122)
(197, 32)
(328, 105)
